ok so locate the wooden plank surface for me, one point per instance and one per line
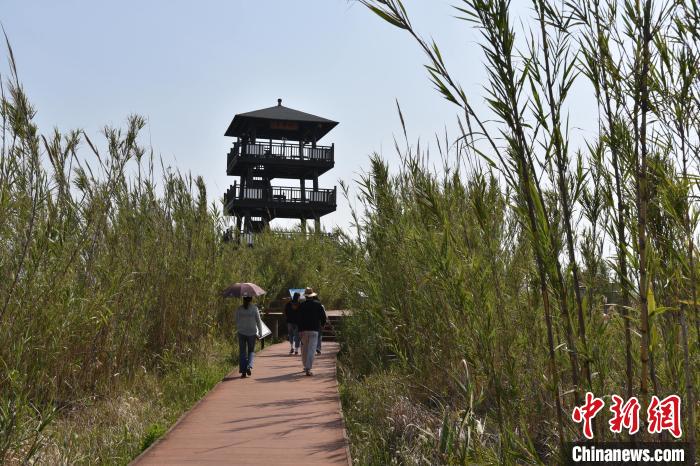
(279, 416)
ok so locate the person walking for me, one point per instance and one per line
(249, 326)
(312, 317)
(320, 333)
(291, 311)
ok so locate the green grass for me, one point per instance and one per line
(115, 429)
(153, 433)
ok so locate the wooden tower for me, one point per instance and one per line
(277, 142)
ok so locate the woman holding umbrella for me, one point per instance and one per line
(248, 323)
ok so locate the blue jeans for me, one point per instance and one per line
(293, 335)
(246, 349)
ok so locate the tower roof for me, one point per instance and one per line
(280, 122)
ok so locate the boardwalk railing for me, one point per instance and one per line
(291, 234)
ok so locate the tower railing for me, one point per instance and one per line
(281, 194)
(281, 150)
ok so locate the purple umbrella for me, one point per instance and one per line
(237, 290)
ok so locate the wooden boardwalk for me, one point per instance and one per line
(279, 416)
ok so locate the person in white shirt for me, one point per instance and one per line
(249, 326)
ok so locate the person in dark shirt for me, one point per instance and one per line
(311, 317)
(320, 334)
(291, 309)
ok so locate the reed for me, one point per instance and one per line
(111, 271)
(489, 281)
(488, 294)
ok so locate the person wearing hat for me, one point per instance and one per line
(311, 317)
(320, 333)
(291, 311)
(249, 326)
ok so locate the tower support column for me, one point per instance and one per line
(239, 220)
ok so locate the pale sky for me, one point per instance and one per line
(188, 67)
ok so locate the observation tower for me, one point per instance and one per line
(278, 143)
